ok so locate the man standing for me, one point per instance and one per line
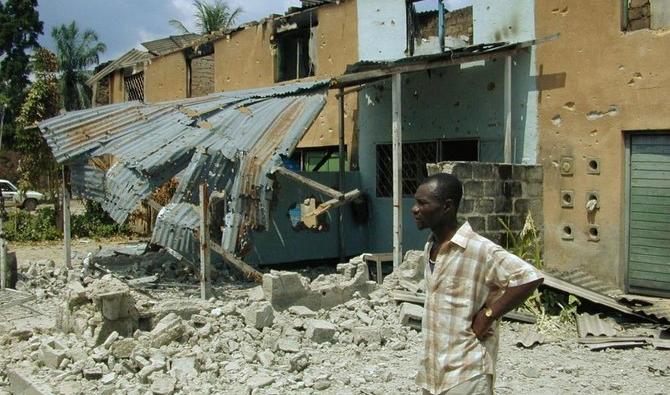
(470, 283)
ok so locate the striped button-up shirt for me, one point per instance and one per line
(470, 272)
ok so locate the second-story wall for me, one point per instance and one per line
(247, 59)
(166, 78)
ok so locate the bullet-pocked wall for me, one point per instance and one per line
(453, 103)
(598, 84)
(248, 59)
(166, 78)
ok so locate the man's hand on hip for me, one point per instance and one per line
(481, 324)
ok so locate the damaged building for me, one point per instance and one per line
(489, 92)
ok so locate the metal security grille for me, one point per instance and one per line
(415, 156)
(135, 87)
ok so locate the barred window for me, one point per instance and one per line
(134, 86)
(415, 156)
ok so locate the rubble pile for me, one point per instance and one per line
(339, 333)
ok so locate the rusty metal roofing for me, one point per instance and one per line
(170, 44)
(231, 140)
(129, 59)
(657, 309)
(593, 325)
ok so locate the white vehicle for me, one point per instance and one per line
(14, 198)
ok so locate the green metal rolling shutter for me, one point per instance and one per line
(649, 249)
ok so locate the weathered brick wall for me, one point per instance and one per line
(494, 192)
(202, 76)
(639, 15)
(458, 23)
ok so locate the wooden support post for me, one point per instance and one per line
(237, 263)
(3, 259)
(397, 168)
(340, 182)
(205, 280)
(508, 109)
(67, 243)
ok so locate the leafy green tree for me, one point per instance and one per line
(210, 17)
(37, 166)
(19, 28)
(76, 51)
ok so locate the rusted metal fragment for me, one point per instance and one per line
(593, 325)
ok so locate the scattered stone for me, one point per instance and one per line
(110, 339)
(299, 362)
(184, 367)
(259, 315)
(23, 382)
(256, 294)
(21, 334)
(321, 384)
(123, 348)
(94, 373)
(411, 315)
(108, 378)
(169, 329)
(52, 354)
(163, 384)
(320, 331)
(146, 371)
(266, 357)
(288, 345)
(366, 334)
(217, 312)
(302, 311)
(259, 381)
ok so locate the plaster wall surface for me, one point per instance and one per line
(448, 103)
(660, 14)
(116, 91)
(382, 29)
(596, 83)
(166, 78)
(246, 60)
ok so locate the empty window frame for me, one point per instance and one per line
(645, 14)
(415, 156)
(134, 86)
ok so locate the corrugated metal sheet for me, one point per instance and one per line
(231, 140)
(656, 308)
(170, 44)
(177, 228)
(129, 59)
(593, 325)
(530, 338)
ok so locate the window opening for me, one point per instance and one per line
(134, 86)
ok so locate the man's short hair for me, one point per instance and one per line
(447, 187)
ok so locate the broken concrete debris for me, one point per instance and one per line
(253, 341)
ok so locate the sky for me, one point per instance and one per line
(124, 24)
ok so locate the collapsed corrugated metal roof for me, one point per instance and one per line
(129, 59)
(120, 154)
(170, 44)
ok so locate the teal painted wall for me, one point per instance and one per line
(450, 103)
(282, 244)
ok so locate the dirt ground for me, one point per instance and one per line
(231, 353)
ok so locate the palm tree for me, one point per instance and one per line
(76, 51)
(210, 17)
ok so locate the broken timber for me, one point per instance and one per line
(333, 203)
(311, 183)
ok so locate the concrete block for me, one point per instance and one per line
(504, 171)
(512, 189)
(288, 345)
(163, 384)
(185, 367)
(485, 206)
(170, 328)
(320, 331)
(256, 294)
(473, 189)
(259, 381)
(22, 382)
(483, 171)
(52, 354)
(411, 315)
(122, 349)
(179, 308)
(367, 334)
(302, 311)
(532, 190)
(259, 315)
(477, 223)
(283, 289)
(94, 373)
(492, 188)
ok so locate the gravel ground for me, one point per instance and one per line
(234, 357)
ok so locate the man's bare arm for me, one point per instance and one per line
(512, 298)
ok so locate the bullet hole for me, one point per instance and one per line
(567, 199)
(567, 230)
(566, 233)
(593, 166)
(557, 120)
(570, 106)
(491, 86)
(594, 233)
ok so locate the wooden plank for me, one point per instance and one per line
(340, 174)
(646, 225)
(637, 182)
(644, 149)
(646, 250)
(649, 158)
(649, 284)
(658, 235)
(651, 208)
(205, 279)
(651, 165)
(655, 259)
(651, 174)
(647, 242)
(658, 200)
(650, 267)
(309, 182)
(507, 108)
(67, 239)
(651, 276)
(646, 217)
(333, 203)
(397, 168)
(236, 262)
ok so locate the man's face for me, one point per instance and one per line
(428, 212)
